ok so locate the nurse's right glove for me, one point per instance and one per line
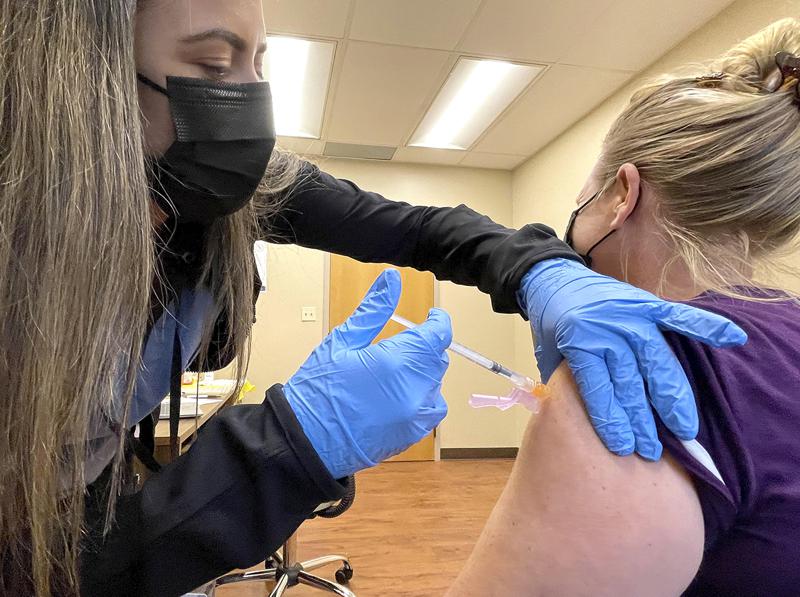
(360, 403)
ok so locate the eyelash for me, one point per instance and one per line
(217, 72)
(220, 73)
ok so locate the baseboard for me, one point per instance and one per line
(477, 453)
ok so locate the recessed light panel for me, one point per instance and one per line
(475, 94)
(299, 72)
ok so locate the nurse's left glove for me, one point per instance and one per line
(610, 334)
(360, 403)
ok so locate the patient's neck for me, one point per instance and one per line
(672, 281)
(646, 261)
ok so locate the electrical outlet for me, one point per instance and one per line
(308, 314)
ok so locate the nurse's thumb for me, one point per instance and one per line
(437, 330)
(371, 316)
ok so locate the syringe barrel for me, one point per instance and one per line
(520, 381)
(473, 356)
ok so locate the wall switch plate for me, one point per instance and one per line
(308, 314)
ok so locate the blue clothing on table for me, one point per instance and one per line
(749, 404)
(152, 384)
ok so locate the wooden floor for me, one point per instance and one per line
(409, 532)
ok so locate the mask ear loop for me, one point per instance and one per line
(576, 213)
(587, 257)
(610, 232)
(151, 84)
(595, 245)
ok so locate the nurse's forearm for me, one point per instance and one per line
(243, 488)
(456, 244)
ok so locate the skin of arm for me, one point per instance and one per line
(575, 519)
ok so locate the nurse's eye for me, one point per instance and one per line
(216, 72)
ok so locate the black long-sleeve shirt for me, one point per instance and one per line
(252, 477)
(456, 244)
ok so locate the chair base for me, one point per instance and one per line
(286, 572)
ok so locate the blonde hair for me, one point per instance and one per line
(722, 154)
(77, 263)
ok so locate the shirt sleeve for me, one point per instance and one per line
(456, 244)
(249, 481)
(720, 435)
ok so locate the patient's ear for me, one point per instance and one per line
(626, 194)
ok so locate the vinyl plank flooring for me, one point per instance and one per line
(411, 529)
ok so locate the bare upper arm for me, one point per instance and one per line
(575, 519)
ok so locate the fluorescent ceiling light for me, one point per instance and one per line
(472, 98)
(299, 71)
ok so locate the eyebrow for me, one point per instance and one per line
(229, 37)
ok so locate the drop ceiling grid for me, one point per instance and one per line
(576, 30)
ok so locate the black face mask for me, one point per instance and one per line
(224, 139)
(587, 258)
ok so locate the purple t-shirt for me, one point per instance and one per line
(749, 404)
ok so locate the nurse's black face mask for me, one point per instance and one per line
(587, 257)
(224, 138)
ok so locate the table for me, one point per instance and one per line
(188, 426)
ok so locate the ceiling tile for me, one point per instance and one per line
(382, 92)
(437, 24)
(495, 161)
(557, 100)
(423, 155)
(322, 18)
(295, 144)
(634, 33)
(301, 146)
(534, 30)
(316, 148)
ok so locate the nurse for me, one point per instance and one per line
(126, 258)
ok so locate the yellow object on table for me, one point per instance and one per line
(222, 388)
(247, 387)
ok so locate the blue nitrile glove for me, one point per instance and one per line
(610, 334)
(360, 403)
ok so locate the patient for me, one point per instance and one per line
(697, 187)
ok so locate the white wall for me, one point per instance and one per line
(545, 188)
(297, 279)
(541, 190)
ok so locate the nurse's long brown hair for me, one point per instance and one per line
(76, 257)
(76, 267)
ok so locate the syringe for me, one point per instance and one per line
(523, 382)
(526, 384)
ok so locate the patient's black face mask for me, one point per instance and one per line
(587, 257)
(224, 139)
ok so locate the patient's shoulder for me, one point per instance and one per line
(630, 513)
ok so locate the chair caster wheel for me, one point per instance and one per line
(344, 574)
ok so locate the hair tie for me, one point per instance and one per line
(711, 80)
(789, 68)
(717, 76)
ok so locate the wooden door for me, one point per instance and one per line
(349, 282)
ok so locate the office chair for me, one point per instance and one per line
(287, 572)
